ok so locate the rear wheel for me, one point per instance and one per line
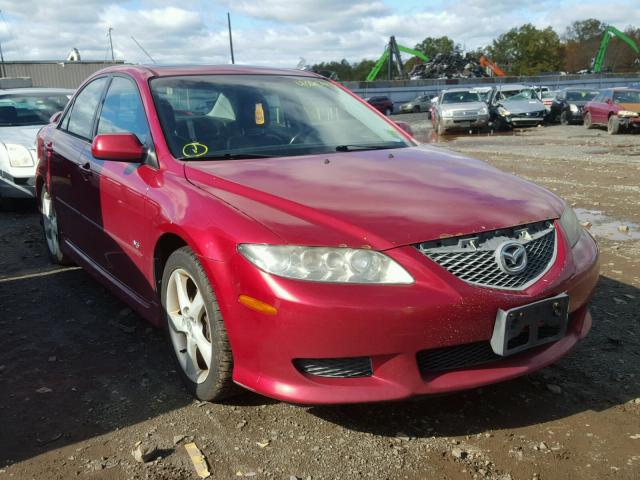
(588, 122)
(50, 229)
(613, 126)
(195, 329)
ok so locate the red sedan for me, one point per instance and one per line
(296, 242)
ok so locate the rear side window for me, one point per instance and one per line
(84, 107)
(122, 110)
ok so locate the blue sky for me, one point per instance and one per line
(274, 32)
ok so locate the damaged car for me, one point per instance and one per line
(515, 106)
(291, 240)
(616, 108)
(459, 108)
(23, 111)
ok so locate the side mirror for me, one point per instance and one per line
(119, 147)
(55, 118)
(405, 126)
(609, 101)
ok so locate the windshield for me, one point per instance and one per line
(629, 96)
(582, 95)
(30, 109)
(524, 94)
(460, 97)
(240, 116)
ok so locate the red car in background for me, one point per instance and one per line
(616, 108)
(293, 241)
(381, 103)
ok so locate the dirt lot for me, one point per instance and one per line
(82, 379)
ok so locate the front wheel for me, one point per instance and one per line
(387, 111)
(564, 120)
(50, 229)
(613, 126)
(195, 329)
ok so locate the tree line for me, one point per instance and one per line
(523, 50)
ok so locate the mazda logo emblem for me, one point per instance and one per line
(511, 258)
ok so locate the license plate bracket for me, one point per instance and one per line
(530, 325)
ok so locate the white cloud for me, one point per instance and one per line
(273, 32)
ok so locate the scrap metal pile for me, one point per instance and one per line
(448, 66)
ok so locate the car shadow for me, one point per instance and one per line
(599, 374)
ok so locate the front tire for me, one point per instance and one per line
(195, 329)
(416, 109)
(50, 229)
(564, 120)
(387, 112)
(613, 126)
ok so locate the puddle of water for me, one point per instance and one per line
(607, 227)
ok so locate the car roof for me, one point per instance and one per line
(459, 89)
(620, 89)
(6, 91)
(506, 88)
(182, 70)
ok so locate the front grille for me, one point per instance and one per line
(464, 113)
(352, 367)
(457, 356)
(472, 258)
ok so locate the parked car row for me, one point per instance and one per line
(507, 106)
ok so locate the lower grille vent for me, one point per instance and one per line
(352, 367)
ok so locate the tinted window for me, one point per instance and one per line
(84, 108)
(122, 111)
(628, 96)
(582, 95)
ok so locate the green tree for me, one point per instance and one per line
(527, 50)
(431, 46)
(582, 30)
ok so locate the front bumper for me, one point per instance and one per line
(465, 122)
(630, 122)
(524, 121)
(16, 187)
(388, 324)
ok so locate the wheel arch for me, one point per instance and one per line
(167, 243)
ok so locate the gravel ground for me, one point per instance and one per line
(83, 379)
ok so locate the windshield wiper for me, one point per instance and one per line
(352, 148)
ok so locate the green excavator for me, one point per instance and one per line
(392, 52)
(608, 33)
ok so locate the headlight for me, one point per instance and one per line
(325, 264)
(570, 226)
(628, 113)
(504, 112)
(19, 156)
(447, 113)
(573, 107)
(483, 111)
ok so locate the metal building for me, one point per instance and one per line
(61, 74)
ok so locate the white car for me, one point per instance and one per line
(23, 111)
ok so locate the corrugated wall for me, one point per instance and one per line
(54, 74)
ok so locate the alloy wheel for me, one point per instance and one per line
(50, 223)
(190, 330)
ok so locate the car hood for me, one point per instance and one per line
(633, 107)
(463, 106)
(25, 136)
(522, 106)
(381, 199)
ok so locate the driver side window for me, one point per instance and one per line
(122, 111)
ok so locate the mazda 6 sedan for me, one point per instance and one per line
(296, 242)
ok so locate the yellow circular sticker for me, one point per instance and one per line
(194, 149)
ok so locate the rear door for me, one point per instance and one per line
(66, 149)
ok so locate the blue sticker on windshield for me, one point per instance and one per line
(194, 149)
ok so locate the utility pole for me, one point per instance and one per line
(3, 72)
(230, 38)
(142, 48)
(111, 44)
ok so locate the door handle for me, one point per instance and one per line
(85, 170)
